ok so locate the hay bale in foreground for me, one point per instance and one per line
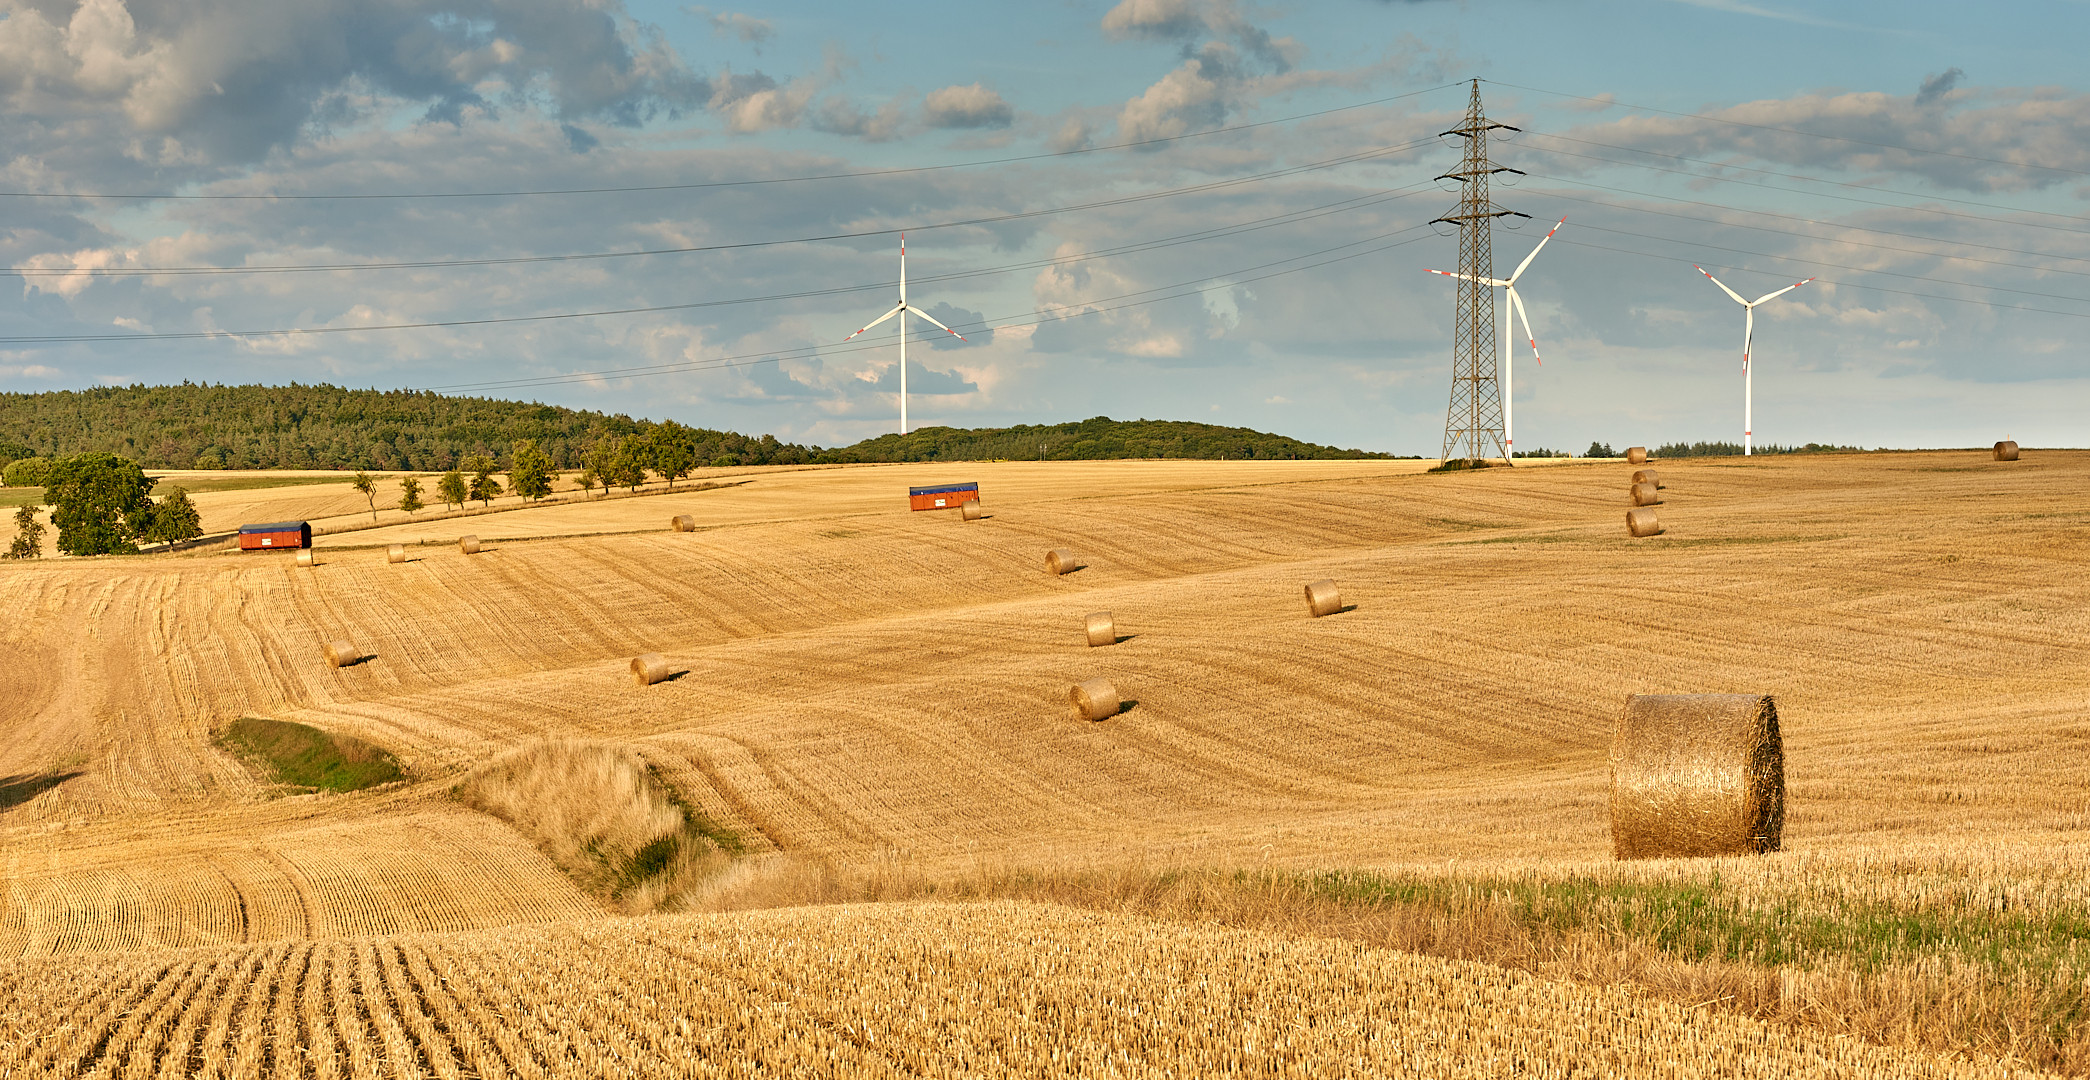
(341, 654)
(1060, 561)
(305, 557)
(1697, 774)
(649, 668)
(1101, 629)
(2006, 450)
(969, 510)
(1648, 476)
(1640, 521)
(1323, 598)
(1644, 494)
(1636, 455)
(396, 553)
(683, 523)
(468, 544)
(1096, 699)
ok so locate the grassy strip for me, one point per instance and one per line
(307, 757)
(194, 484)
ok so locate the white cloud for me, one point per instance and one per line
(972, 106)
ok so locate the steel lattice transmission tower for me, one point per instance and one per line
(1473, 425)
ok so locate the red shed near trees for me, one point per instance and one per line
(281, 534)
(941, 496)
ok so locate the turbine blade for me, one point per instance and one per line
(1534, 251)
(882, 318)
(1748, 336)
(1517, 302)
(1737, 296)
(1465, 277)
(1781, 292)
(920, 314)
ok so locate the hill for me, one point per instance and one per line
(1095, 439)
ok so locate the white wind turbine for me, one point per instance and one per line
(901, 309)
(1748, 334)
(1510, 299)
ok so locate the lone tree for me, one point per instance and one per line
(410, 495)
(29, 535)
(100, 503)
(484, 487)
(531, 475)
(451, 488)
(674, 452)
(367, 488)
(173, 519)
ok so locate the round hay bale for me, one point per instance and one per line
(341, 653)
(1697, 774)
(648, 669)
(969, 509)
(2006, 450)
(1102, 629)
(1644, 494)
(1096, 699)
(1323, 598)
(305, 557)
(683, 523)
(396, 553)
(1648, 476)
(468, 544)
(1060, 561)
(1640, 521)
(1636, 455)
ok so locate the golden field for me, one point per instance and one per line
(1409, 796)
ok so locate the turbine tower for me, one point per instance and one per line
(1510, 299)
(1473, 424)
(1748, 334)
(901, 309)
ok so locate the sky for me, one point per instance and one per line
(1170, 209)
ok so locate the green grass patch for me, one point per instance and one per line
(1540, 538)
(194, 484)
(307, 757)
(12, 497)
(1455, 523)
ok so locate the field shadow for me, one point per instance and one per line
(1123, 638)
(16, 790)
(360, 660)
(1127, 705)
(1345, 609)
(674, 675)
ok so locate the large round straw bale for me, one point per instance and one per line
(1323, 598)
(648, 669)
(969, 509)
(1644, 494)
(396, 553)
(2006, 450)
(1636, 455)
(468, 544)
(1095, 699)
(1640, 521)
(305, 557)
(1648, 476)
(1102, 629)
(1060, 561)
(683, 523)
(1697, 774)
(341, 653)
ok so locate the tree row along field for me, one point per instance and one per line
(980, 990)
(892, 686)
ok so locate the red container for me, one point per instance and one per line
(942, 496)
(281, 535)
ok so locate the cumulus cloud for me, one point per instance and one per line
(748, 28)
(972, 106)
(1222, 55)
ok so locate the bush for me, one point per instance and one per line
(100, 503)
(28, 472)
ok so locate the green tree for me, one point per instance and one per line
(531, 475)
(367, 488)
(628, 463)
(100, 503)
(673, 451)
(174, 518)
(586, 480)
(601, 458)
(410, 494)
(484, 487)
(29, 535)
(451, 488)
(28, 472)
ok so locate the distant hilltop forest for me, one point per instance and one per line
(200, 426)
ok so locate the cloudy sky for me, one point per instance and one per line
(1185, 209)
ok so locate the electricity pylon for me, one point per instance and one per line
(1473, 424)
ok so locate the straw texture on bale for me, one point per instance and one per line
(1060, 561)
(1697, 774)
(396, 553)
(1323, 598)
(468, 544)
(683, 523)
(1636, 455)
(305, 557)
(649, 668)
(1640, 521)
(1644, 494)
(2006, 450)
(341, 653)
(1095, 699)
(1102, 629)
(1648, 476)
(970, 509)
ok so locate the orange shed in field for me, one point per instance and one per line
(941, 496)
(281, 534)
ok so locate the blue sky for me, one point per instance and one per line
(1930, 164)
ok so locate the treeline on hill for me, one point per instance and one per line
(1728, 449)
(1097, 438)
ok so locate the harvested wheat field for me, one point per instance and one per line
(869, 707)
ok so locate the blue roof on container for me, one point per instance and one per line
(941, 488)
(280, 526)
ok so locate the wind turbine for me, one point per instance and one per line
(1510, 299)
(901, 309)
(1748, 333)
